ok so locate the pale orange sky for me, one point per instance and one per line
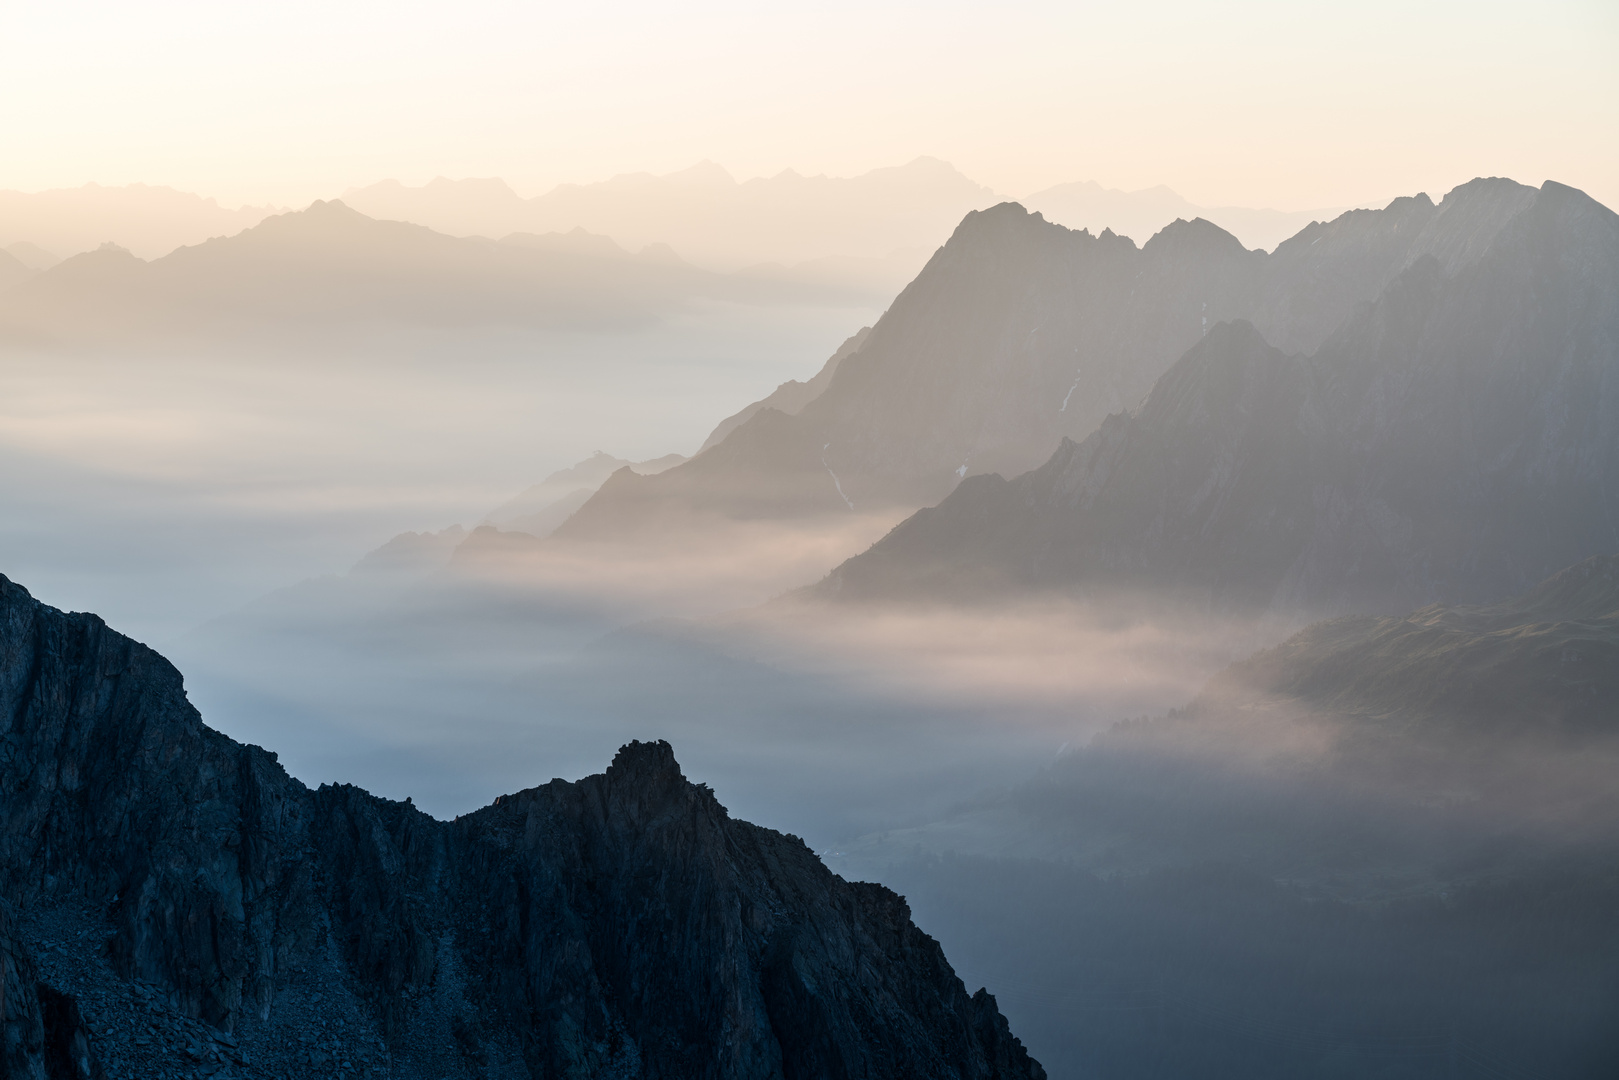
(1257, 103)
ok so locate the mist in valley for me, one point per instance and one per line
(1196, 593)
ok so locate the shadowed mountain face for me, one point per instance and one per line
(1019, 333)
(1454, 440)
(623, 925)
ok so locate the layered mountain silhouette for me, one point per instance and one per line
(1020, 333)
(154, 874)
(149, 220)
(329, 264)
(707, 215)
(1454, 439)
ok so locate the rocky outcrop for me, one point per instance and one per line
(1453, 441)
(624, 925)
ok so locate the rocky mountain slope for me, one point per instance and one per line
(1019, 333)
(1454, 440)
(155, 874)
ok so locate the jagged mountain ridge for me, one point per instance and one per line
(1453, 441)
(1020, 333)
(623, 925)
(707, 215)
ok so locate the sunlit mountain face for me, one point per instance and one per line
(648, 542)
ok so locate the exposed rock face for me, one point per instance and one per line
(1453, 441)
(1019, 333)
(623, 925)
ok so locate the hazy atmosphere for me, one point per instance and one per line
(1135, 481)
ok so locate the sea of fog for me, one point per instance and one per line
(161, 487)
(210, 500)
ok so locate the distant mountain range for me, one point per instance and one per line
(709, 217)
(1454, 439)
(874, 230)
(149, 220)
(1020, 333)
(330, 264)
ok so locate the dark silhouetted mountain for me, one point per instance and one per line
(1020, 333)
(623, 925)
(330, 264)
(1452, 441)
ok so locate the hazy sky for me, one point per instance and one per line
(1254, 103)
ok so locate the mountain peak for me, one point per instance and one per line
(642, 761)
(1198, 234)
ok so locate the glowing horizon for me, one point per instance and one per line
(1259, 105)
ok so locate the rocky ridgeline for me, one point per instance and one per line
(175, 905)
